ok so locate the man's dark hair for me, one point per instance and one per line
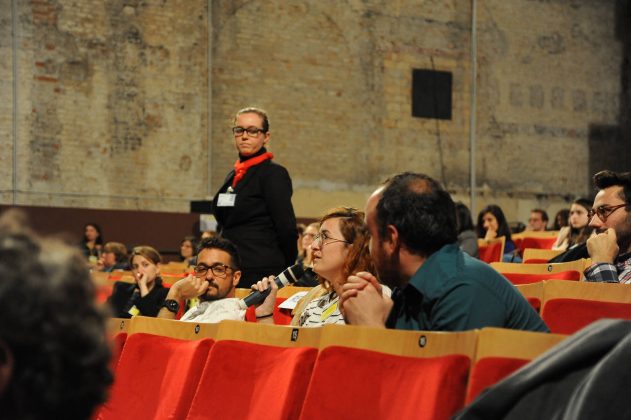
(542, 212)
(52, 333)
(217, 242)
(420, 209)
(606, 179)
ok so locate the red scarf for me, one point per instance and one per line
(240, 168)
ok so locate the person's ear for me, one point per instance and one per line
(266, 139)
(6, 366)
(391, 240)
(236, 277)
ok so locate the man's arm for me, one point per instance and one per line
(186, 288)
(363, 302)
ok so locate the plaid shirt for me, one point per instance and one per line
(620, 272)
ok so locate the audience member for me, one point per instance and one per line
(561, 219)
(610, 248)
(253, 206)
(492, 224)
(339, 249)
(146, 295)
(217, 274)
(187, 249)
(92, 242)
(300, 229)
(113, 257)
(467, 238)
(309, 278)
(412, 223)
(54, 356)
(538, 221)
(578, 230)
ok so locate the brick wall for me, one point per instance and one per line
(113, 97)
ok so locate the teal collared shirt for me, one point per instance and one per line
(453, 291)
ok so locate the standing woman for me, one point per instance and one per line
(253, 206)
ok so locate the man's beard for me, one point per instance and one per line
(217, 296)
(388, 269)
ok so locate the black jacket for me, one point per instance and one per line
(123, 298)
(262, 223)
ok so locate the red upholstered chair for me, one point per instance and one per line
(281, 316)
(526, 278)
(531, 273)
(570, 306)
(363, 384)
(500, 352)
(491, 250)
(537, 242)
(156, 378)
(117, 348)
(248, 380)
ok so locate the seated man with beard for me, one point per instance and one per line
(216, 275)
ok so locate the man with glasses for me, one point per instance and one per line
(213, 282)
(610, 249)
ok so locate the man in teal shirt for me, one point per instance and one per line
(412, 223)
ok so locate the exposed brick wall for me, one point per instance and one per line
(113, 97)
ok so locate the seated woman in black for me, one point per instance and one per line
(492, 224)
(146, 295)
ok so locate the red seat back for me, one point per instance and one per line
(246, 380)
(566, 316)
(363, 384)
(491, 252)
(488, 371)
(527, 278)
(117, 348)
(281, 316)
(155, 378)
(536, 243)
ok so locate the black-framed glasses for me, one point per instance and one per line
(322, 238)
(218, 270)
(252, 131)
(603, 212)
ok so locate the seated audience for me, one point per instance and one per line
(492, 224)
(467, 237)
(54, 355)
(538, 221)
(412, 224)
(578, 230)
(113, 257)
(309, 278)
(213, 284)
(92, 242)
(561, 219)
(339, 249)
(146, 295)
(187, 249)
(610, 248)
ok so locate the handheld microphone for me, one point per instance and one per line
(289, 276)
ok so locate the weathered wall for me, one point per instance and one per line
(113, 95)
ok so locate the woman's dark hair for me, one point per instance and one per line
(463, 218)
(99, 238)
(502, 225)
(563, 214)
(354, 231)
(580, 235)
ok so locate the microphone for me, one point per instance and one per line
(289, 276)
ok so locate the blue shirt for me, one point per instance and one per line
(453, 291)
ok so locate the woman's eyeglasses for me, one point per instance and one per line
(322, 239)
(252, 131)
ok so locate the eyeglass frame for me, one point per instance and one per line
(603, 212)
(212, 269)
(247, 130)
(321, 241)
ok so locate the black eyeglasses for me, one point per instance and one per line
(603, 212)
(252, 131)
(322, 238)
(218, 270)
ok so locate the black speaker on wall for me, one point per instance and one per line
(431, 94)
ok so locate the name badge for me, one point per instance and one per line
(226, 200)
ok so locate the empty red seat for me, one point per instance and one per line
(567, 315)
(246, 380)
(527, 278)
(362, 384)
(156, 378)
(489, 371)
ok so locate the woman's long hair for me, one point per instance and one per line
(502, 225)
(356, 233)
(580, 235)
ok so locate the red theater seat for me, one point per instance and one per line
(527, 278)
(491, 250)
(156, 378)
(567, 315)
(489, 371)
(247, 380)
(361, 384)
